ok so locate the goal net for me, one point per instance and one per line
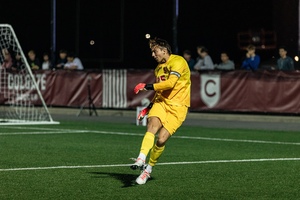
(21, 101)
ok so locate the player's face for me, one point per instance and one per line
(159, 54)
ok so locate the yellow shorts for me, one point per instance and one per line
(171, 116)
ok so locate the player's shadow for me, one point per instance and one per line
(128, 180)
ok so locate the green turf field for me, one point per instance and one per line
(90, 160)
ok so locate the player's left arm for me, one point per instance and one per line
(169, 83)
(164, 85)
(174, 75)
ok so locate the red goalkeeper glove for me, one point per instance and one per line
(138, 87)
(144, 112)
(143, 86)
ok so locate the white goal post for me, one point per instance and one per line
(21, 101)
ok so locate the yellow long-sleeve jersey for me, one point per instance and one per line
(173, 81)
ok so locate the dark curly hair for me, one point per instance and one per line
(160, 43)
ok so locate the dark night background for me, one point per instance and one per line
(118, 27)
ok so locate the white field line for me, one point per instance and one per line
(237, 140)
(70, 131)
(43, 133)
(167, 163)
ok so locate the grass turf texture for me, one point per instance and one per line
(89, 147)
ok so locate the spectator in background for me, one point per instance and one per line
(17, 63)
(226, 63)
(252, 61)
(187, 54)
(33, 61)
(285, 62)
(8, 59)
(62, 60)
(73, 63)
(199, 60)
(46, 62)
(204, 62)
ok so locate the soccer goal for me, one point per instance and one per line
(21, 101)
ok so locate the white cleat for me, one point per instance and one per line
(142, 179)
(139, 164)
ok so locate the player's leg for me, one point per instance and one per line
(153, 126)
(173, 120)
(155, 153)
(159, 147)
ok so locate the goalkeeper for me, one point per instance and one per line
(169, 107)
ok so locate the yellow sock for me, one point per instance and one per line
(155, 154)
(147, 143)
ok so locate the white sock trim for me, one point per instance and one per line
(149, 169)
(142, 156)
